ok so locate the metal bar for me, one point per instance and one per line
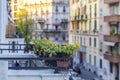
(37, 67)
(41, 58)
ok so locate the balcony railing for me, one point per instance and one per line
(111, 38)
(54, 30)
(41, 20)
(114, 58)
(15, 48)
(111, 1)
(112, 18)
(33, 63)
(83, 17)
(64, 20)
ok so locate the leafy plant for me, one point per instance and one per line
(45, 48)
(112, 31)
(24, 22)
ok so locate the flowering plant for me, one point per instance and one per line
(67, 50)
(44, 48)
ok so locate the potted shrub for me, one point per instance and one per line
(44, 48)
(65, 52)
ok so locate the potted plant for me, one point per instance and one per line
(65, 52)
(44, 48)
(24, 23)
(112, 31)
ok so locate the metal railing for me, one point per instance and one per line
(31, 63)
(15, 48)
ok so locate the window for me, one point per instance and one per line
(84, 41)
(95, 26)
(90, 10)
(81, 40)
(64, 10)
(64, 38)
(15, 1)
(94, 42)
(111, 67)
(15, 7)
(95, 10)
(56, 37)
(90, 59)
(56, 8)
(95, 60)
(90, 26)
(101, 63)
(100, 30)
(89, 41)
(101, 46)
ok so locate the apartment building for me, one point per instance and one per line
(50, 18)
(111, 38)
(85, 21)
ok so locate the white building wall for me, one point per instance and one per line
(3, 20)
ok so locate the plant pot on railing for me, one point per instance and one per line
(64, 65)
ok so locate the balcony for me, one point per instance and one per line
(111, 38)
(54, 30)
(64, 21)
(112, 18)
(111, 1)
(112, 58)
(41, 21)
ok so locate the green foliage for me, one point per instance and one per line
(44, 48)
(23, 24)
(112, 31)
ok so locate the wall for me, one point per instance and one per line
(36, 75)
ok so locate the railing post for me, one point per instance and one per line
(29, 62)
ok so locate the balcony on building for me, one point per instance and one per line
(52, 30)
(112, 18)
(111, 1)
(83, 17)
(112, 38)
(113, 54)
(41, 21)
(64, 21)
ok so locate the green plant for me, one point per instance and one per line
(67, 50)
(44, 48)
(24, 22)
(112, 31)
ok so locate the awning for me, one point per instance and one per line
(109, 43)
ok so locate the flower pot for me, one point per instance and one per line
(63, 64)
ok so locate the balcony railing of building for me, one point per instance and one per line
(15, 48)
(112, 38)
(64, 21)
(111, 1)
(35, 63)
(41, 21)
(54, 30)
(113, 57)
(112, 18)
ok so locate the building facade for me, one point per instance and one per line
(111, 38)
(50, 18)
(85, 17)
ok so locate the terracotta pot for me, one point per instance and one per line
(63, 64)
